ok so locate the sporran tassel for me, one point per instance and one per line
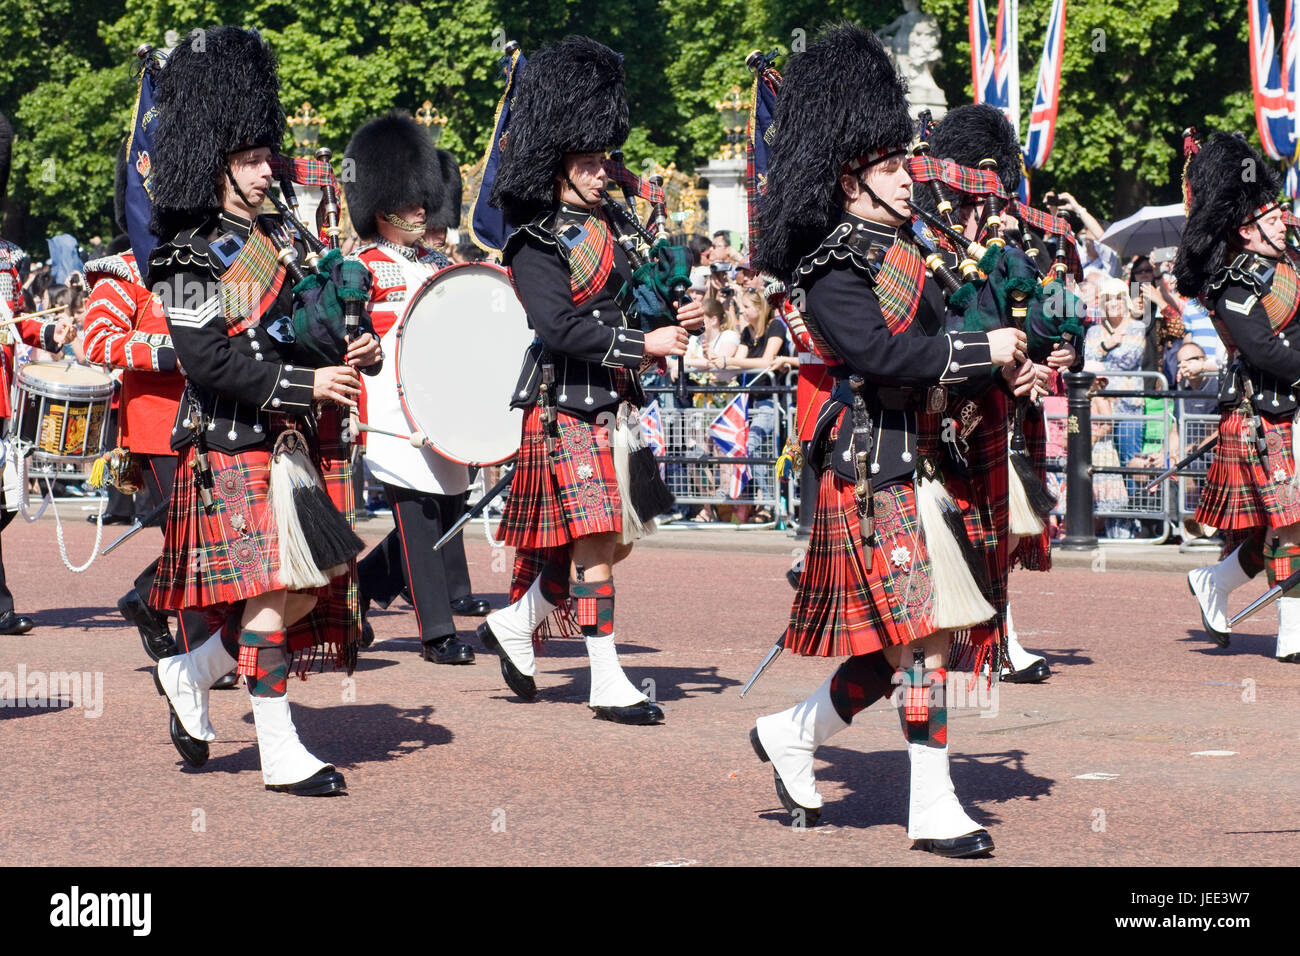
(958, 600)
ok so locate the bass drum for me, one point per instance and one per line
(458, 351)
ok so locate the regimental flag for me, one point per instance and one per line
(1274, 86)
(1047, 92)
(730, 432)
(139, 164)
(652, 430)
(487, 224)
(767, 83)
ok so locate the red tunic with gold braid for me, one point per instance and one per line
(126, 328)
(32, 332)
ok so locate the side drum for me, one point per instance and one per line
(61, 412)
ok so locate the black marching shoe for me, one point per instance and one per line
(322, 783)
(1290, 658)
(11, 623)
(793, 577)
(194, 752)
(810, 814)
(228, 682)
(471, 607)
(1035, 673)
(644, 713)
(978, 843)
(447, 650)
(367, 632)
(154, 633)
(515, 679)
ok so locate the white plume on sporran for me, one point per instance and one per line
(958, 601)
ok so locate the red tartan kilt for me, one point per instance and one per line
(1240, 491)
(988, 516)
(554, 502)
(846, 606)
(238, 566)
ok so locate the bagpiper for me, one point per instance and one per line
(1232, 256)
(251, 532)
(989, 417)
(568, 514)
(885, 581)
(402, 186)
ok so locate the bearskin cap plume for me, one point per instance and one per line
(448, 214)
(394, 166)
(978, 131)
(570, 100)
(841, 98)
(218, 94)
(1229, 181)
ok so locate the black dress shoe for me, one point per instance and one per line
(447, 650)
(793, 577)
(193, 751)
(1290, 658)
(471, 607)
(322, 783)
(109, 519)
(1035, 673)
(810, 814)
(11, 623)
(154, 633)
(516, 680)
(228, 682)
(978, 843)
(644, 713)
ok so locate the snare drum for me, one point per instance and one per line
(62, 411)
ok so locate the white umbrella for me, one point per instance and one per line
(1151, 227)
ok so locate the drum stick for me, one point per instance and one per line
(417, 440)
(33, 315)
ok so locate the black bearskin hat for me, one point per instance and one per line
(119, 189)
(570, 100)
(979, 131)
(394, 166)
(6, 148)
(841, 99)
(218, 94)
(1229, 182)
(448, 214)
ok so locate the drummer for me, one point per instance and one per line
(402, 187)
(44, 335)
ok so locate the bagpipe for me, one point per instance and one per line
(661, 273)
(331, 292)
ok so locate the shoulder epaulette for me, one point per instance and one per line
(539, 230)
(845, 244)
(111, 267)
(185, 250)
(1247, 269)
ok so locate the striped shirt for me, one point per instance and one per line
(1199, 325)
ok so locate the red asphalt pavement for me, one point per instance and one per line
(1100, 766)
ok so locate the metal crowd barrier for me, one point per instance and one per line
(1078, 472)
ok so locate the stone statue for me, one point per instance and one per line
(913, 43)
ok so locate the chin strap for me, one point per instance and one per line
(862, 181)
(1281, 253)
(239, 192)
(573, 186)
(402, 224)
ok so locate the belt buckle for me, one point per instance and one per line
(936, 399)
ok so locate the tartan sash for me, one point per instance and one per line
(633, 184)
(1282, 297)
(898, 286)
(251, 283)
(591, 257)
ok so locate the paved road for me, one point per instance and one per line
(1148, 745)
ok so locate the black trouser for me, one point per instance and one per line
(406, 559)
(159, 471)
(6, 516)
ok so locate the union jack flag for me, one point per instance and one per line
(1047, 92)
(730, 432)
(1274, 85)
(652, 430)
(983, 55)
